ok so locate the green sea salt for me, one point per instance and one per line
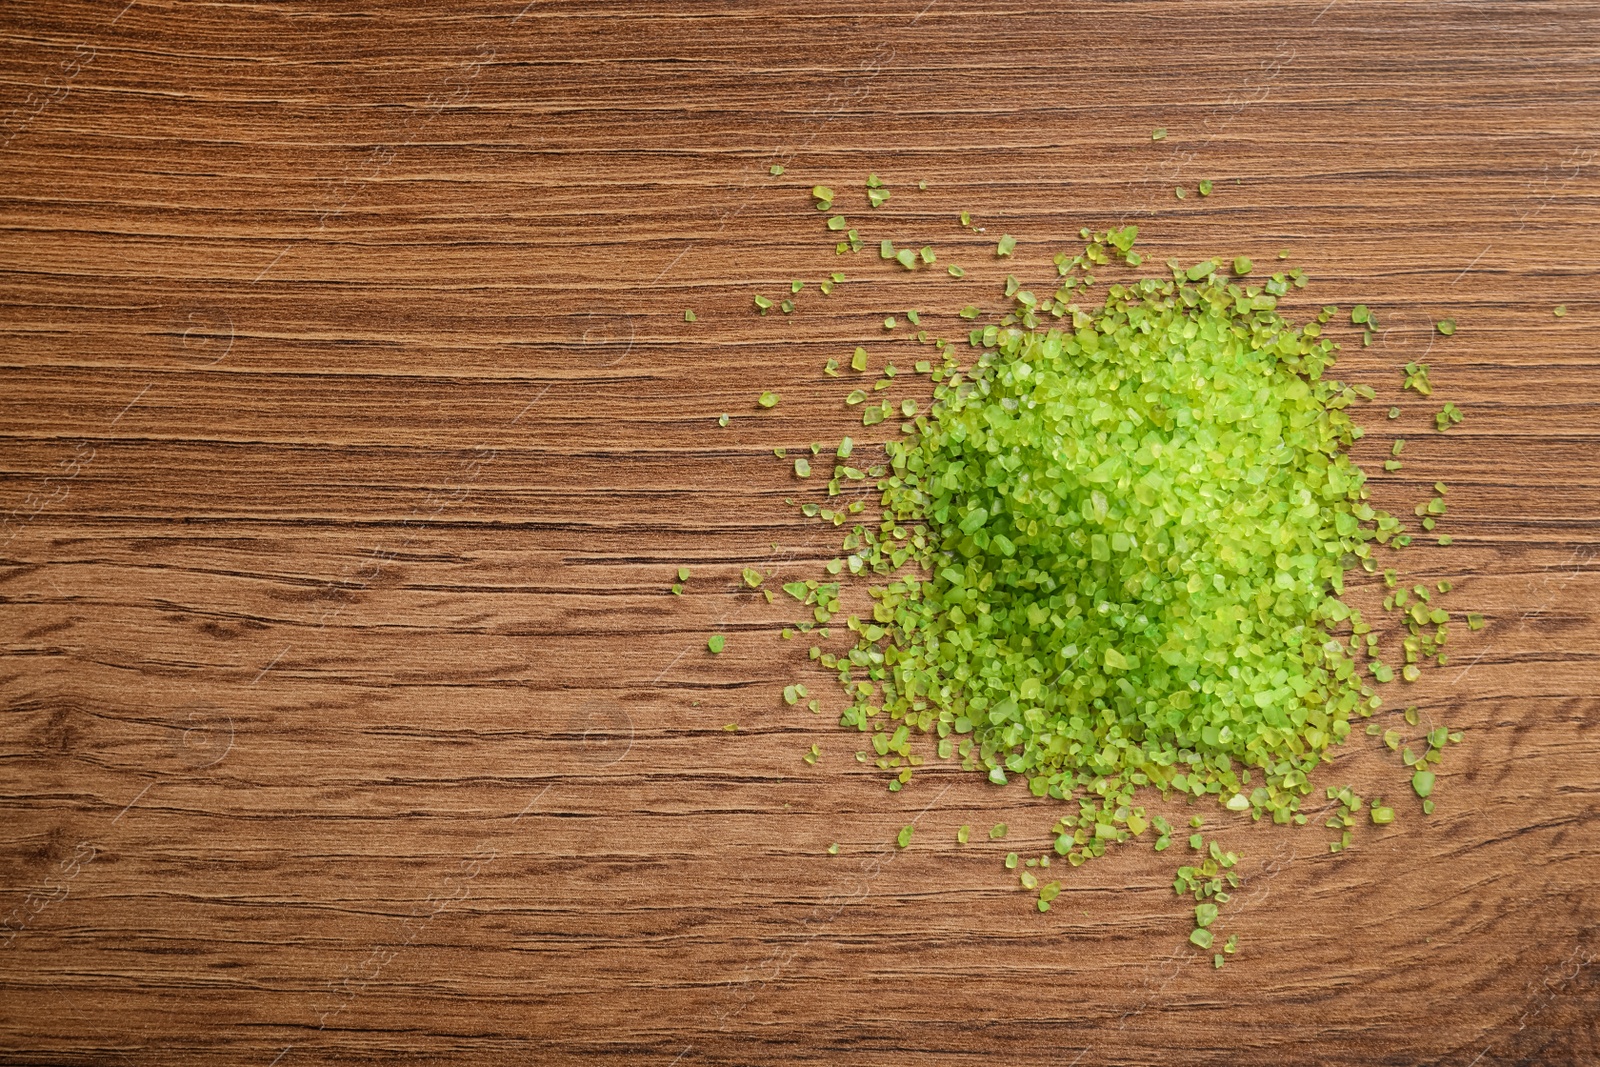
(1134, 531)
(1111, 555)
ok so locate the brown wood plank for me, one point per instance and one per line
(350, 433)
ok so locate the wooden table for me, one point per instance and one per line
(351, 434)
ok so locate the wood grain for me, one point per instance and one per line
(351, 431)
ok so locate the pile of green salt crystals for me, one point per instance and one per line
(1129, 538)
(1111, 553)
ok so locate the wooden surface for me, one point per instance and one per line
(350, 432)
